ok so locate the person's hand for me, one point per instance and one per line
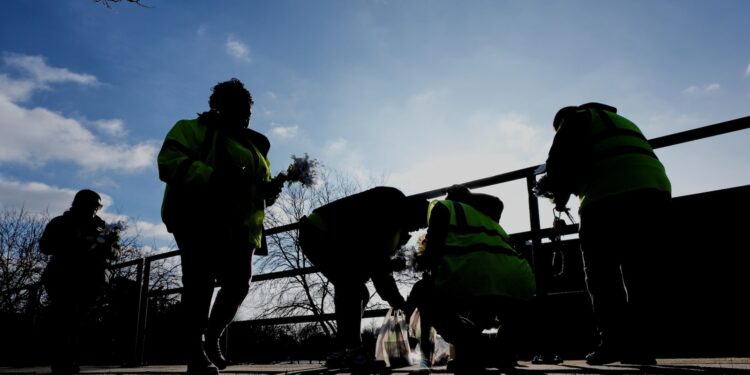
(272, 190)
(400, 304)
(398, 264)
(561, 203)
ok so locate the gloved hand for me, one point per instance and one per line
(561, 202)
(399, 304)
(272, 190)
(398, 264)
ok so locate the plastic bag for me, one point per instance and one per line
(392, 345)
(440, 348)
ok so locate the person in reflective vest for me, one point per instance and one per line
(217, 177)
(352, 240)
(477, 279)
(605, 160)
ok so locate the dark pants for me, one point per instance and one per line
(208, 258)
(462, 322)
(350, 290)
(72, 296)
(619, 240)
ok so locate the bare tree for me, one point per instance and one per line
(108, 3)
(21, 263)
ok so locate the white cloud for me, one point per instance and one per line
(35, 136)
(149, 230)
(113, 127)
(285, 132)
(237, 49)
(34, 196)
(697, 90)
(336, 146)
(747, 71)
(42, 73)
(40, 198)
(15, 90)
(712, 87)
(202, 30)
(517, 133)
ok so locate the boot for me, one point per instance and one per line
(198, 363)
(213, 351)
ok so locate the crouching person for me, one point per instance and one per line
(351, 241)
(478, 281)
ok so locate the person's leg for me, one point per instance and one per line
(418, 297)
(198, 286)
(350, 298)
(645, 217)
(600, 235)
(64, 322)
(234, 274)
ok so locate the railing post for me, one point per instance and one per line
(142, 312)
(540, 270)
(136, 338)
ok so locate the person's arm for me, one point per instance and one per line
(50, 242)
(178, 159)
(566, 158)
(437, 231)
(386, 287)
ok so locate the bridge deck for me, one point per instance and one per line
(664, 366)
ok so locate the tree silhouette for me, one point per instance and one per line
(310, 294)
(108, 3)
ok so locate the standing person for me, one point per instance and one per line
(477, 281)
(624, 192)
(351, 241)
(80, 246)
(217, 179)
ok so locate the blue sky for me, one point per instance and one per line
(424, 93)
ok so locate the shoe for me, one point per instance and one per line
(602, 356)
(213, 352)
(199, 364)
(424, 368)
(547, 359)
(65, 369)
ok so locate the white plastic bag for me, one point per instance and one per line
(392, 345)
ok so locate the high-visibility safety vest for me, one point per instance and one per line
(191, 152)
(619, 159)
(476, 258)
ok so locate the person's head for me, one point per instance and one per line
(232, 102)
(565, 112)
(86, 202)
(415, 213)
(489, 205)
(561, 115)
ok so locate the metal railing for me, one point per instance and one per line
(534, 236)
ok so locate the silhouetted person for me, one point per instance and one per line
(477, 281)
(624, 192)
(351, 241)
(75, 275)
(217, 177)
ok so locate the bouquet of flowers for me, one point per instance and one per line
(302, 170)
(107, 243)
